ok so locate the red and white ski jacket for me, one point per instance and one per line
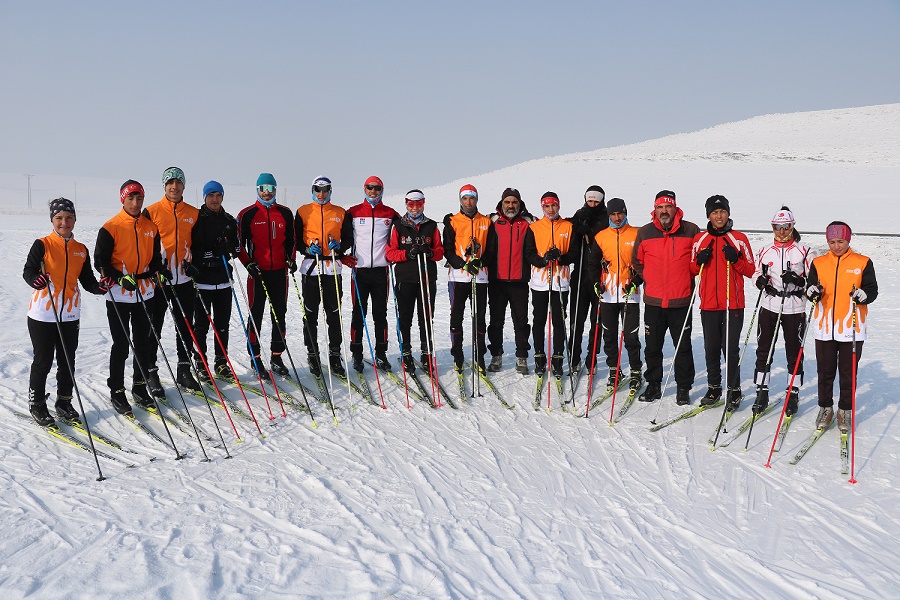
(371, 233)
(779, 257)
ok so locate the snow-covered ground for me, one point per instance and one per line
(483, 502)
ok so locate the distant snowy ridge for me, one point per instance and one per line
(867, 135)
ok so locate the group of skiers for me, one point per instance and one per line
(595, 266)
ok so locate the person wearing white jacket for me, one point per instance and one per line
(781, 271)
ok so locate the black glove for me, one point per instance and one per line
(770, 290)
(731, 253)
(704, 255)
(224, 248)
(552, 254)
(127, 282)
(254, 270)
(41, 281)
(599, 288)
(814, 293)
(604, 265)
(472, 266)
(426, 251)
(583, 228)
(190, 269)
(164, 275)
(291, 265)
(635, 278)
(761, 282)
(791, 277)
(414, 252)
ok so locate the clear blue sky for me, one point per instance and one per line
(418, 92)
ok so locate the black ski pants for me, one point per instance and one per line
(792, 327)
(583, 305)
(409, 299)
(159, 306)
(370, 283)
(714, 344)
(320, 289)
(610, 313)
(833, 358)
(658, 321)
(47, 343)
(515, 295)
(137, 328)
(460, 294)
(540, 301)
(276, 283)
(218, 305)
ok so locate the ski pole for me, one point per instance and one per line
(590, 394)
(752, 319)
(70, 367)
(790, 385)
(570, 346)
(159, 344)
(315, 342)
(178, 455)
(687, 318)
(197, 371)
(425, 295)
(362, 313)
(228, 361)
(618, 359)
(853, 398)
(400, 337)
(549, 326)
(246, 328)
(309, 336)
(473, 308)
(727, 347)
(769, 359)
(337, 294)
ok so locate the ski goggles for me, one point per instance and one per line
(782, 226)
(266, 188)
(415, 203)
(321, 188)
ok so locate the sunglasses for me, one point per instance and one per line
(321, 188)
(266, 187)
(374, 188)
(782, 226)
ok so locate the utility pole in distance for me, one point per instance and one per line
(28, 177)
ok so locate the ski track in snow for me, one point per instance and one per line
(479, 502)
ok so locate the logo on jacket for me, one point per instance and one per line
(78, 254)
(189, 220)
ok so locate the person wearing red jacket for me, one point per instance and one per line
(414, 240)
(509, 273)
(662, 262)
(371, 220)
(266, 238)
(726, 258)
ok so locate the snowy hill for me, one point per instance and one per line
(482, 502)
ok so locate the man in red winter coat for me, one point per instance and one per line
(662, 262)
(726, 258)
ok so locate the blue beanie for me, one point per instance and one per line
(265, 179)
(212, 186)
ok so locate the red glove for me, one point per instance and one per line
(349, 261)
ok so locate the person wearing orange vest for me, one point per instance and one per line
(323, 233)
(468, 243)
(55, 267)
(615, 286)
(549, 250)
(128, 256)
(841, 284)
(175, 219)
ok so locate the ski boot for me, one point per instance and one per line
(38, 409)
(496, 364)
(762, 399)
(823, 419)
(844, 419)
(278, 366)
(713, 395)
(65, 410)
(522, 366)
(141, 395)
(793, 401)
(653, 392)
(154, 385)
(185, 379)
(733, 399)
(682, 396)
(382, 362)
(120, 402)
(337, 367)
(540, 363)
(315, 366)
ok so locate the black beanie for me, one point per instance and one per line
(61, 204)
(511, 192)
(616, 205)
(716, 202)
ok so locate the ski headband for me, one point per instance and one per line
(837, 231)
(129, 189)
